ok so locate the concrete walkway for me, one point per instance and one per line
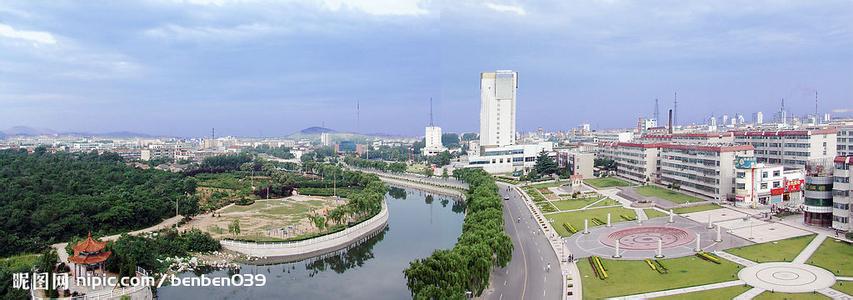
(170, 222)
(736, 259)
(810, 249)
(686, 290)
(752, 293)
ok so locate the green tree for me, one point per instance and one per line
(428, 172)
(234, 227)
(545, 165)
(444, 173)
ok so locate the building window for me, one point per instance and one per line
(763, 174)
(741, 174)
(763, 185)
(776, 173)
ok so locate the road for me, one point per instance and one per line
(525, 277)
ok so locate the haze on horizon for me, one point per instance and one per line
(252, 67)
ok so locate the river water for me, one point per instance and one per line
(418, 223)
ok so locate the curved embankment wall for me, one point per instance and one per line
(315, 246)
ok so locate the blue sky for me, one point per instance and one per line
(273, 67)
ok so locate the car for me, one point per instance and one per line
(506, 198)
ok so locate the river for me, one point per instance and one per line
(418, 223)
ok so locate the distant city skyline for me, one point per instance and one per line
(251, 68)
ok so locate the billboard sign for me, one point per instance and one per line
(743, 162)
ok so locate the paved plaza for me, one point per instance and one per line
(640, 241)
(787, 277)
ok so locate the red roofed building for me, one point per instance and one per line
(89, 255)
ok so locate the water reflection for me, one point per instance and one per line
(349, 259)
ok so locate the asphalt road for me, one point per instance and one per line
(525, 277)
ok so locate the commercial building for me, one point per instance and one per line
(613, 136)
(841, 190)
(497, 108)
(790, 148)
(325, 139)
(761, 185)
(704, 170)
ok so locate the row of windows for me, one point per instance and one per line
(839, 219)
(842, 179)
(837, 205)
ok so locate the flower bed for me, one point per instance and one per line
(628, 218)
(598, 267)
(570, 228)
(708, 256)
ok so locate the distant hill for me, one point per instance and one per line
(32, 131)
(316, 130)
(25, 130)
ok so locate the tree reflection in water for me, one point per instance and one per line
(397, 193)
(348, 259)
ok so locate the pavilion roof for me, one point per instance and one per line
(89, 245)
(90, 259)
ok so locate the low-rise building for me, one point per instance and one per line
(508, 159)
(634, 161)
(761, 185)
(581, 163)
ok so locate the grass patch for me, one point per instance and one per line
(606, 202)
(723, 293)
(697, 208)
(834, 256)
(546, 207)
(574, 203)
(549, 184)
(666, 194)
(19, 262)
(785, 296)
(782, 250)
(576, 217)
(533, 193)
(606, 182)
(628, 277)
(844, 287)
(654, 213)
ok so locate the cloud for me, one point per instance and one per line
(505, 8)
(41, 37)
(206, 32)
(379, 7)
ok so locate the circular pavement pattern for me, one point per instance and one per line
(787, 277)
(646, 237)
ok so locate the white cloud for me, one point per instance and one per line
(41, 37)
(505, 8)
(379, 7)
(207, 32)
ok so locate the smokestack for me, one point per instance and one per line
(670, 121)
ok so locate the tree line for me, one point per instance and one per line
(47, 198)
(448, 274)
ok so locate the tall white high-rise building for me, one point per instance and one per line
(497, 108)
(325, 139)
(759, 118)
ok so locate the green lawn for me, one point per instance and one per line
(654, 213)
(723, 293)
(697, 208)
(549, 184)
(546, 207)
(783, 250)
(606, 182)
(844, 287)
(574, 203)
(606, 202)
(834, 256)
(533, 193)
(576, 217)
(628, 277)
(784, 296)
(666, 194)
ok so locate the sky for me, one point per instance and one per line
(270, 68)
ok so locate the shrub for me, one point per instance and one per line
(708, 256)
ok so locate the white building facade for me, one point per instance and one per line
(432, 139)
(497, 108)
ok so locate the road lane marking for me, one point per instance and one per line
(523, 255)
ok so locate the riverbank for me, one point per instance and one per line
(436, 186)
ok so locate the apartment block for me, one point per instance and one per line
(841, 190)
(704, 170)
(790, 148)
(635, 161)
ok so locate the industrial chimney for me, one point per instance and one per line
(670, 122)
